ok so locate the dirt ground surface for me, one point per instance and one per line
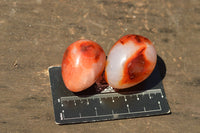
(35, 33)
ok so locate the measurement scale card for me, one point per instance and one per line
(146, 99)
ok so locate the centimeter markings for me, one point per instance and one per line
(112, 114)
(106, 95)
(110, 95)
(139, 112)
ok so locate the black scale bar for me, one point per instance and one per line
(146, 99)
(112, 106)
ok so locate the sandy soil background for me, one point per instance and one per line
(34, 35)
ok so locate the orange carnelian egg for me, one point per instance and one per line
(130, 61)
(83, 62)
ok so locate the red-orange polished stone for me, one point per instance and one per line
(83, 62)
(130, 61)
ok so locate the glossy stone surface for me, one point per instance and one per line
(83, 62)
(130, 61)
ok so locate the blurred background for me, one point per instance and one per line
(34, 35)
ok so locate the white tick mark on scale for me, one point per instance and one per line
(112, 112)
(144, 109)
(113, 100)
(88, 102)
(58, 100)
(100, 100)
(95, 111)
(125, 99)
(138, 97)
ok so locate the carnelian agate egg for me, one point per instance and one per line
(130, 61)
(83, 62)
